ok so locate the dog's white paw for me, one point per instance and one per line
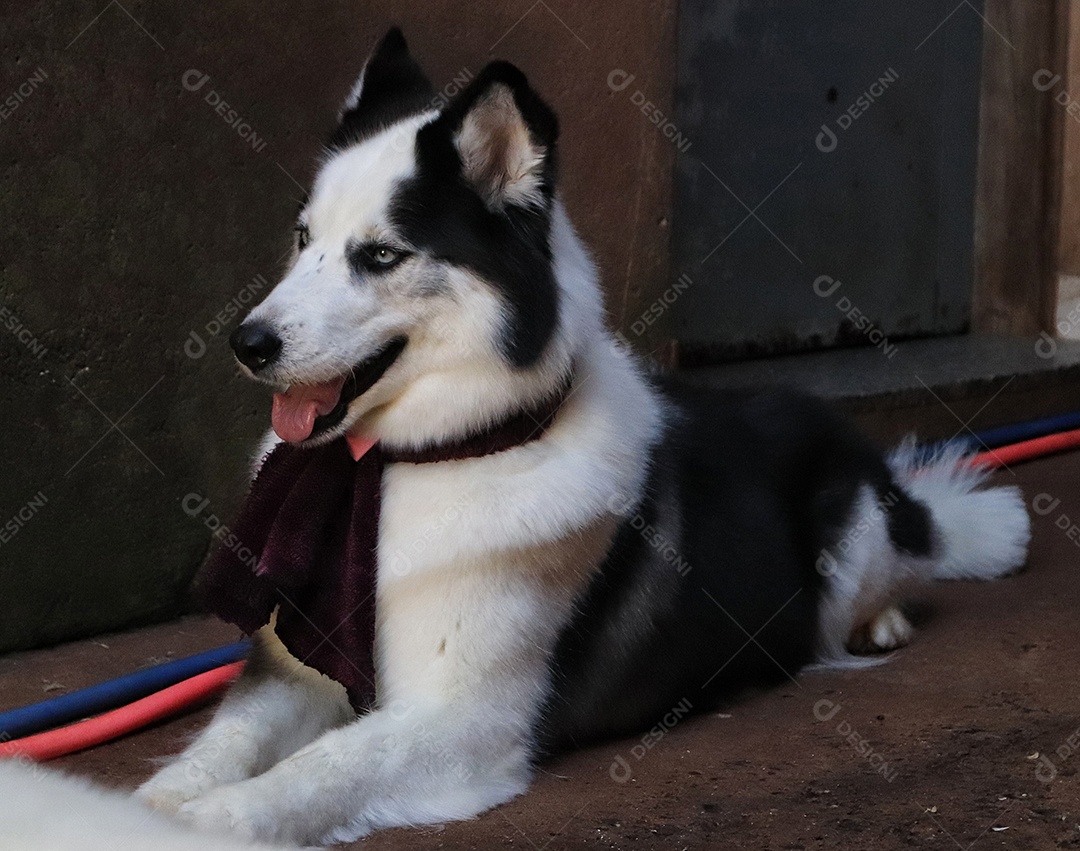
(166, 797)
(889, 630)
(232, 809)
(190, 776)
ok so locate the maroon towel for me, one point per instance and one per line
(311, 519)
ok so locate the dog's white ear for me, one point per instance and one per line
(505, 137)
(391, 87)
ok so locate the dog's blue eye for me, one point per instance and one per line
(374, 257)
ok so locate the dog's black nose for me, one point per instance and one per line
(255, 345)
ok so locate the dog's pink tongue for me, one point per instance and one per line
(295, 410)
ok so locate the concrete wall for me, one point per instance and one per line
(135, 215)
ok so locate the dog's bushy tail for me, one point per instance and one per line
(980, 532)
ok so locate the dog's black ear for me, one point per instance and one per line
(391, 87)
(504, 135)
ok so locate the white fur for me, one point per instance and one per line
(978, 533)
(43, 810)
(889, 630)
(984, 533)
(498, 154)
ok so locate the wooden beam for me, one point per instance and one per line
(1018, 192)
(1069, 229)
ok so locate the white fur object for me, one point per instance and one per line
(44, 810)
(978, 533)
(498, 153)
(983, 532)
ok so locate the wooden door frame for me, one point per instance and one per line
(1019, 189)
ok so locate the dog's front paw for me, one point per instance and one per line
(232, 809)
(167, 798)
(185, 779)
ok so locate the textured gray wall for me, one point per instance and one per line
(134, 213)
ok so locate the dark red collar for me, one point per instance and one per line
(517, 429)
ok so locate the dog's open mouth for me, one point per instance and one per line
(305, 411)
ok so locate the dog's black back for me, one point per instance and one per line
(712, 583)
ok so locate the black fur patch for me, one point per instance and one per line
(394, 88)
(910, 525)
(440, 213)
(761, 483)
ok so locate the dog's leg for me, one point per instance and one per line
(403, 765)
(276, 707)
(888, 630)
(866, 576)
(463, 670)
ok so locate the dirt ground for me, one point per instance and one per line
(961, 740)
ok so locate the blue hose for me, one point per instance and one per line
(1004, 435)
(108, 695)
(993, 438)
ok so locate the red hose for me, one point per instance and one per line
(118, 722)
(1028, 449)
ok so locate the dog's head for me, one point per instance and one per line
(424, 295)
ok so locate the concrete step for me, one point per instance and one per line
(936, 388)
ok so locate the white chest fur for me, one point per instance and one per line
(481, 559)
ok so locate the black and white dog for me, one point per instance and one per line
(652, 545)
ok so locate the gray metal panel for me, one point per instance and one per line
(888, 212)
